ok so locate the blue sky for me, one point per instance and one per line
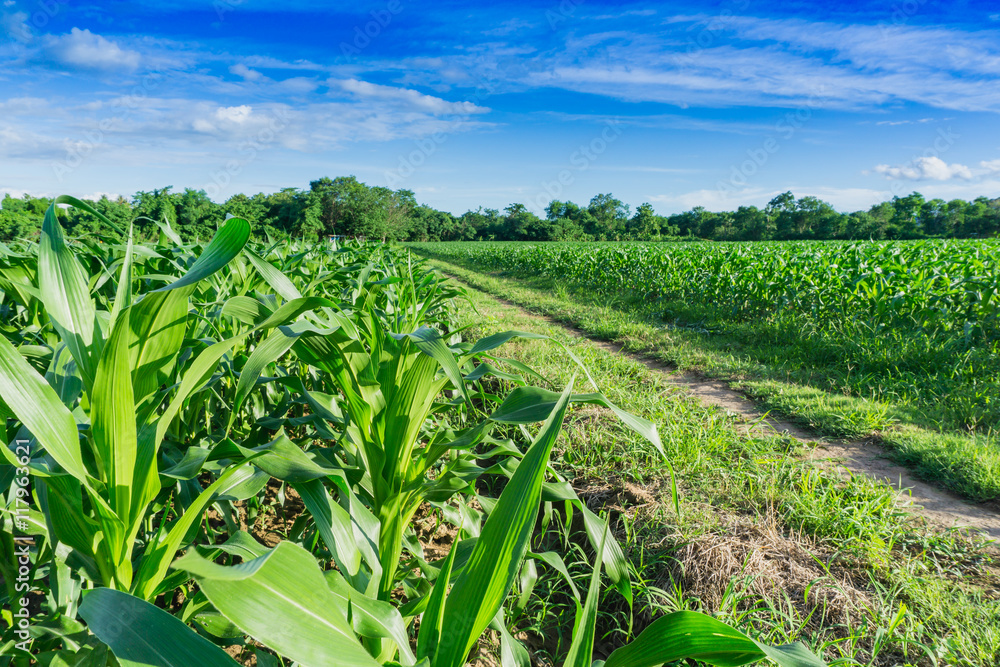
(715, 104)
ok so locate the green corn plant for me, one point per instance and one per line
(285, 601)
(390, 383)
(107, 384)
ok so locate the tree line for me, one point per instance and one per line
(346, 207)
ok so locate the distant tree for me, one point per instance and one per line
(818, 219)
(981, 218)
(569, 222)
(609, 217)
(252, 209)
(520, 224)
(645, 224)
(21, 217)
(83, 223)
(398, 206)
(780, 213)
(905, 222)
(152, 207)
(752, 224)
(197, 215)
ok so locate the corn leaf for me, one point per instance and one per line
(277, 280)
(227, 243)
(39, 408)
(689, 634)
(142, 635)
(282, 600)
(66, 295)
(496, 558)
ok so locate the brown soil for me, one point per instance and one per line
(271, 526)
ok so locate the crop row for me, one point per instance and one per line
(929, 284)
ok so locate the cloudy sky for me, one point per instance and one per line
(677, 104)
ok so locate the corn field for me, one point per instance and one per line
(921, 316)
(156, 394)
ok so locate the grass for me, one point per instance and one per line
(765, 540)
(967, 463)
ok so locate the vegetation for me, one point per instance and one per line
(762, 533)
(344, 206)
(904, 333)
(157, 398)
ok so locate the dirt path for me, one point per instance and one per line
(860, 457)
(864, 457)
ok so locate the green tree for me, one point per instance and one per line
(752, 224)
(252, 209)
(905, 223)
(197, 215)
(609, 217)
(645, 224)
(155, 205)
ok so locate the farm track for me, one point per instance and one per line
(859, 457)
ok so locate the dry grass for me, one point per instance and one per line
(767, 563)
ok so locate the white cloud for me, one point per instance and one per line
(904, 122)
(15, 193)
(509, 26)
(406, 97)
(87, 50)
(296, 85)
(748, 61)
(24, 105)
(227, 119)
(15, 25)
(239, 115)
(94, 196)
(925, 169)
(713, 200)
(248, 74)
(267, 62)
(990, 165)
(20, 142)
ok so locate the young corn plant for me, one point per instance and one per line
(96, 421)
(314, 618)
(397, 432)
